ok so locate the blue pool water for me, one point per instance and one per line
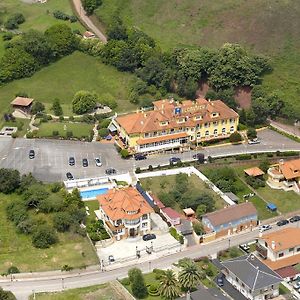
(93, 193)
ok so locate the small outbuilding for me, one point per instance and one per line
(254, 172)
(189, 212)
(172, 216)
(271, 206)
(88, 35)
(22, 103)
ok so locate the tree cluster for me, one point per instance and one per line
(33, 50)
(63, 16)
(14, 21)
(28, 211)
(90, 5)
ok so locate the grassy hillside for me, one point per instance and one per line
(271, 27)
(67, 76)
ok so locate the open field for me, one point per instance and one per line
(99, 292)
(17, 250)
(38, 16)
(266, 26)
(166, 184)
(67, 76)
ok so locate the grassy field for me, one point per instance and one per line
(99, 292)
(79, 129)
(266, 26)
(16, 249)
(67, 76)
(196, 186)
(38, 16)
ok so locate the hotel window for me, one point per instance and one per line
(223, 130)
(298, 249)
(231, 120)
(198, 134)
(206, 132)
(224, 122)
(198, 118)
(172, 130)
(206, 125)
(144, 217)
(154, 133)
(280, 254)
(146, 135)
(215, 124)
(231, 129)
(291, 249)
(216, 132)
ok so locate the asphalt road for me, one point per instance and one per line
(24, 287)
(51, 161)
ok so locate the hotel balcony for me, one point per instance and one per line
(134, 223)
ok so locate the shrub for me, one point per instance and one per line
(55, 133)
(71, 118)
(235, 137)
(69, 134)
(29, 135)
(243, 157)
(13, 270)
(270, 155)
(138, 170)
(14, 135)
(6, 295)
(103, 132)
(158, 273)
(153, 289)
(124, 153)
(251, 133)
(125, 281)
(84, 102)
(66, 268)
(61, 118)
(44, 237)
(198, 228)
(73, 19)
(150, 168)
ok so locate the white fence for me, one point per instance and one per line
(189, 171)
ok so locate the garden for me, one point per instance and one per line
(41, 226)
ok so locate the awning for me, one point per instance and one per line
(112, 127)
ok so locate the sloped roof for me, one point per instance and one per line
(290, 169)
(22, 101)
(254, 172)
(231, 213)
(171, 213)
(116, 203)
(252, 272)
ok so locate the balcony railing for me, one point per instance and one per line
(132, 222)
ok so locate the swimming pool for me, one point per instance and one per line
(93, 193)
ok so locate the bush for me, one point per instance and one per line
(61, 118)
(60, 15)
(158, 273)
(251, 133)
(103, 132)
(243, 157)
(14, 135)
(124, 153)
(9, 180)
(153, 289)
(6, 295)
(125, 281)
(138, 286)
(150, 168)
(62, 221)
(44, 237)
(198, 228)
(138, 170)
(55, 133)
(29, 135)
(84, 102)
(13, 270)
(66, 268)
(235, 137)
(69, 134)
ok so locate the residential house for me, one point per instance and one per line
(172, 216)
(251, 277)
(230, 220)
(22, 104)
(285, 175)
(281, 248)
(175, 126)
(204, 294)
(88, 35)
(125, 212)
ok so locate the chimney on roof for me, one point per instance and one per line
(273, 245)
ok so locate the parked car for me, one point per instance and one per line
(282, 222)
(297, 277)
(254, 141)
(85, 162)
(174, 160)
(220, 280)
(199, 157)
(296, 285)
(149, 236)
(140, 156)
(70, 176)
(31, 154)
(98, 162)
(110, 171)
(111, 258)
(294, 219)
(263, 228)
(71, 161)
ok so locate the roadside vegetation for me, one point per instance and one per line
(41, 226)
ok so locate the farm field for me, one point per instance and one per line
(64, 78)
(265, 26)
(17, 249)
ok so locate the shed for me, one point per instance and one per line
(22, 103)
(254, 172)
(271, 206)
(189, 212)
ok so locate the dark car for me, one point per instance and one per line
(69, 176)
(71, 161)
(111, 258)
(140, 157)
(149, 236)
(220, 281)
(110, 171)
(294, 219)
(174, 160)
(85, 162)
(31, 154)
(199, 157)
(282, 222)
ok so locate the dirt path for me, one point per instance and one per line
(87, 21)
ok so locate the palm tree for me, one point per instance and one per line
(190, 275)
(169, 286)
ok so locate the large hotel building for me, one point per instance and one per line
(172, 125)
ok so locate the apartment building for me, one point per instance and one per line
(175, 126)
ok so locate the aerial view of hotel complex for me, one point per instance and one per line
(149, 150)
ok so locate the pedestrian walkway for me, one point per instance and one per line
(95, 130)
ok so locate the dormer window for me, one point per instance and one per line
(163, 123)
(198, 118)
(215, 114)
(181, 120)
(131, 212)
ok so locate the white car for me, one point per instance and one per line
(296, 285)
(264, 228)
(98, 162)
(254, 141)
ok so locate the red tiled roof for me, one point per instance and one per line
(171, 213)
(22, 101)
(254, 172)
(287, 272)
(290, 169)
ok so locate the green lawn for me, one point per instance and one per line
(79, 129)
(67, 76)
(16, 249)
(92, 205)
(166, 183)
(39, 16)
(96, 292)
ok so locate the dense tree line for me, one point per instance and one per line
(35, 200)
(32, 50)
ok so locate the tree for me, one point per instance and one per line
(235, 137)
(37, 107)
(61, 40)
(6, 295)
(200, 211)
(190, 276)
(44, 237)
(138, 286)
(169, 286)
(251, 133)
(264, 165)
(103, 132)
(34, 195)
(198, 228)
(56, 108)
(62, 221)
(90, 5)
(203, 199)
(12, 270)
(84, 102)
(9, 180)
(124, 153)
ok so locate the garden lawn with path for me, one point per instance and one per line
(99, 292)
(78, 129)
(65, 77)
(17, 249)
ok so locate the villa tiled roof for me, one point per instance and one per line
(22, 101)
(165, 111)
(120, 203)
(290, 169)
(254, 172)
